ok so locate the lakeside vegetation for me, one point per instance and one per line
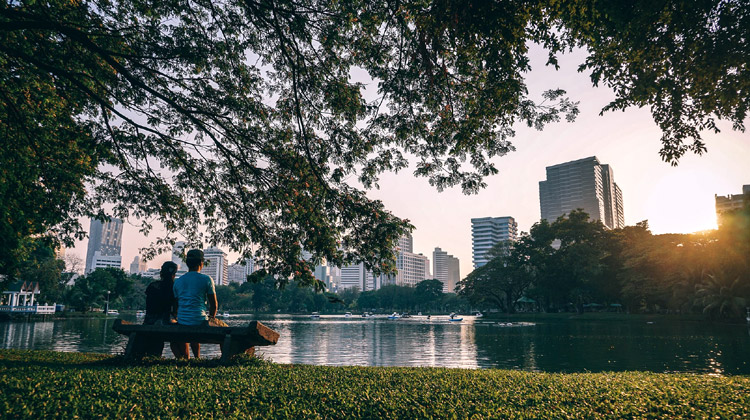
(575, 264)
(590, 269)
(41, 384)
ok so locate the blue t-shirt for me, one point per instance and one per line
(191, 290)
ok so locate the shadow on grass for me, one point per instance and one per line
(11, 359)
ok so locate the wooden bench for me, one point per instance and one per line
(234, 340)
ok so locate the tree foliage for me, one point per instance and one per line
(42, 266)
(95, 288)
(572, 262)
(242, 122)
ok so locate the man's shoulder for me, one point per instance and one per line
(194, 276)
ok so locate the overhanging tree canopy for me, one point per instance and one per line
(243, 116)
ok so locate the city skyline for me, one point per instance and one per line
(674, 199)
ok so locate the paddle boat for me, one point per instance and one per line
(394, 315)
(348, 315)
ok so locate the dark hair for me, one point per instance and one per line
(193, 263)
(168, 271)
(194, 258)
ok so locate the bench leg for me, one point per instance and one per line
(131, 344)
(141, 346)
(226, 348)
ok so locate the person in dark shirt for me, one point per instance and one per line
(161, 306)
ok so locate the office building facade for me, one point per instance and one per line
(178, 252)
(731, 203)
(236, 273)
(446, 269)
(138, 265)
(586, 184)
(216, 265)
(488, 231)
(357, 276)
(412, 268)
(105, 241)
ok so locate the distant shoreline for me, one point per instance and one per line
(491, 316)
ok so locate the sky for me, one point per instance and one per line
(673, 199)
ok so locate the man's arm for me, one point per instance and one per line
(213, 305)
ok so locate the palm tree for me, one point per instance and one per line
(722, 293)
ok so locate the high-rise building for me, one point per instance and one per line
(731, 203)
(105, 240)
(406, 243)
(216, 265)
(178, 249)
(352, 276)
(446, 269)
(585, 184)
(250, 266)
(138, 265)
(236, 273)
(105, 261)
(488, 231)
(412, 268)
(334, 278)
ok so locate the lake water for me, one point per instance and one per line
(542, 346)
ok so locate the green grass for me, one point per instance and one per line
(39, 384)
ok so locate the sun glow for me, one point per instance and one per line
(682, 202)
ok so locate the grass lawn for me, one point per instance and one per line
(41, 384)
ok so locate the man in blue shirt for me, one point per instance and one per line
(192, 291)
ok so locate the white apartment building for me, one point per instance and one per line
(412, 268)
(488, 231)
(103, 261)
(358, 276)
(216, 265)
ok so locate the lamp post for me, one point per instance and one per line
(106, 308)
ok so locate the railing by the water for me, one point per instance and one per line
(35, 309)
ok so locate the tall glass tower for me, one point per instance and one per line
(105, 241)
(582, 184)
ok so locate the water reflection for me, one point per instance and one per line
(372, 342)
(549, 346)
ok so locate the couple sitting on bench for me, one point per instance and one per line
(184, 298)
